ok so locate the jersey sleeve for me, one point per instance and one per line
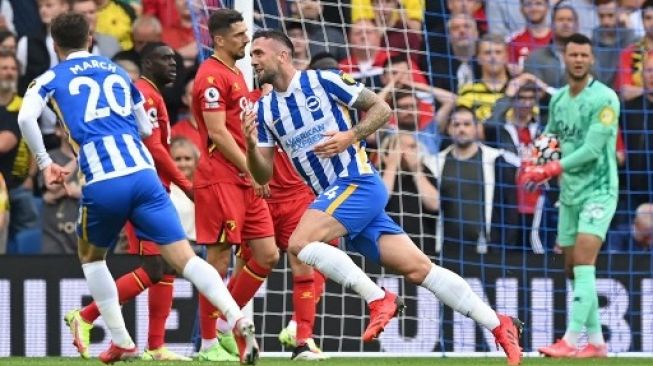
(211, 93)
(137, 97)
(37, 95)
(265, 136)
(341, 86)
(551, 126)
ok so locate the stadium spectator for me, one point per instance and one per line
(504, 16)
(7, 16)
(637, 127)
(186, 156)
(323, 36)
(630, 15)
(180, 36)
(36, 52)
(634, 238)
(513, 127)
(187, 128)
(61, 205)
(400, 72)
(589, 19)
(473, 8)
(367, 57)
(629, 83)
(480, 96)
(400, 33)
(7, 41)
(26, 17)
(413, 11)
(546, 63)
(115, 18)
(4, 215)
(414, 200)
(103, 44)
(608, 39)
(473, 195)
(537, 33)
(323, 61)
(456, 66)
(164, 10)
(295, 31)
(148, 29)
(15, 157)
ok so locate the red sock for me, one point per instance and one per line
(319, 280)
(129, 286)
(208, 318)
(160, 303)
(303, 301)
(244, 285)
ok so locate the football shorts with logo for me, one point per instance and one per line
(230, 213)
(593, 216)
(138, 197)
(358, 203)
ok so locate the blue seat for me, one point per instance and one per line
(28, 241)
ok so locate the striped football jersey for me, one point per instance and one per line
(94, 99)
(315, 102)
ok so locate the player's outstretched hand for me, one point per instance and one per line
(55, 176)
(335, 143)
(249, 126)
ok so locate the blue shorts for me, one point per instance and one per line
(358, 203)
(140, 198)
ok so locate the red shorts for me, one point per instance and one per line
(137, 246)
(229, 213)
(285, 216)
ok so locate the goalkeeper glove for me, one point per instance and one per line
(539, 174)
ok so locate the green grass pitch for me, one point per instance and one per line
(376, 361)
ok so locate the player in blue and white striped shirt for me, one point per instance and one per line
(306, 114)
(103, 113)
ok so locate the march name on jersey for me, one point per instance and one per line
(95, 99)
(220, 88)
(315, 102)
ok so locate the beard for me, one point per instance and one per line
(7, 86)
(575, 77)
(266, 77)
(463, 143)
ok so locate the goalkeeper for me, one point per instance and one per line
(584, 116)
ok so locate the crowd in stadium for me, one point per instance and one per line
(449, 185)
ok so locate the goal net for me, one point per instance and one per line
(466, 214)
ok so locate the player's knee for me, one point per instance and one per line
(295, 245)
(418, 273)
(269, 259)
(153, 265)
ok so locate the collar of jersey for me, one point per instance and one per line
(234, 69)
(294, 84)
(149, 82)
(78, 54)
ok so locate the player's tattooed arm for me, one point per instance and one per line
(377, 113)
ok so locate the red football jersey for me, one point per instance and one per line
(522, 44)
(285, 184)
(159, 142)
(219, 88)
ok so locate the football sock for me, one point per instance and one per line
(208, 343)
(160, 303)
(319, 280)
(453, 291)
(584, 298)
(207, 280)
(208, 317)
(246, 282)
(337, 266)
(303, 299)
(593, 325)
(104, 292)
(129, 286)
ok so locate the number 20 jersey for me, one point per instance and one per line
(95, 99)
